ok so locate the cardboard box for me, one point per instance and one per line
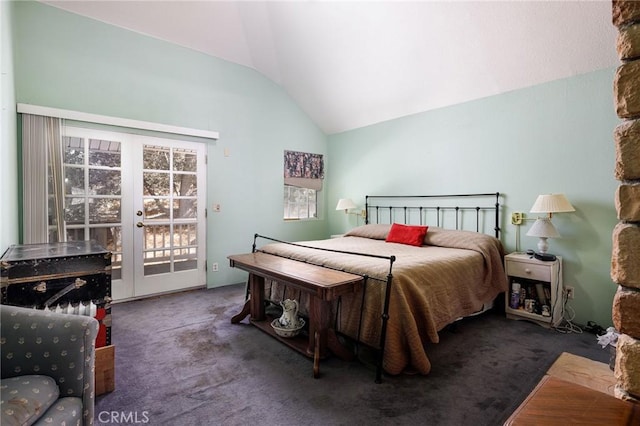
(105, 369)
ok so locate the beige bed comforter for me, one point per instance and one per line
(452, 276)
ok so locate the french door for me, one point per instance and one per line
(142, 198)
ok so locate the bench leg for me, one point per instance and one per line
(246, 310)
(256, 298)
(316, 356)
(319, 320)
(323, 338)
(255, 304)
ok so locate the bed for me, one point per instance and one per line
(411, 292)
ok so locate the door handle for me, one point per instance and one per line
(140, 225)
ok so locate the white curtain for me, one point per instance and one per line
(42, 151)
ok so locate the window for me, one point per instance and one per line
(299, 203)
(303, 174)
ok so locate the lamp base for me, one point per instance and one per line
(543, 245)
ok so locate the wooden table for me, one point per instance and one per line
(558, 402)
(585, 372)
(323, 284)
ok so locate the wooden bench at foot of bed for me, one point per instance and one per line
(323, 284)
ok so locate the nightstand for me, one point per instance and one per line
(539, 284)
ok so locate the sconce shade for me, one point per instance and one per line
(345, 204)
(552, 203)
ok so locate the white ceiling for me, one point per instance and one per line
(351, 64)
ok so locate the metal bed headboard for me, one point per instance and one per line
(407, 208)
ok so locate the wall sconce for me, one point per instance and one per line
(346, 204)
(543, 228)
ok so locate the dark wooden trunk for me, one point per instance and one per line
(64, 276)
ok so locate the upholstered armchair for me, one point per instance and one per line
(48, 362)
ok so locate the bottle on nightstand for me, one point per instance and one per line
(514, 302)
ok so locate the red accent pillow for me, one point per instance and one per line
(407, 234)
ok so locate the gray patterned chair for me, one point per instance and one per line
(48, 363)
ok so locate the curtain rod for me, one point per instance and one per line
(114, 121)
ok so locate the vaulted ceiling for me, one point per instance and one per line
(351, 64)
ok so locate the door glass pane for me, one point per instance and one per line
(185, 259)
(73, 180)
(156, 157)
(157, 236)
(156, 209)
(185, 160)
(185, 208)
(157, 262)
(155, 183)
(111, 239)
(104, 153)
(73, 150)
(74, 210)
(185, 235)
(104, 182)
(108, 237)
(75, 234)
(185, 184)
(104, 210)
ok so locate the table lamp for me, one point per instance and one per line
(543, 228)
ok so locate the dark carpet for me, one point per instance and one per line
(179, 361)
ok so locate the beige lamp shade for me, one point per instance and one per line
(552, 203)
(345, 204)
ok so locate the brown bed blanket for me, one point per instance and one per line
(452, 276)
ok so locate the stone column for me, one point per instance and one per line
(625, 259)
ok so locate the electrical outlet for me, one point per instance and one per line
(214, 266)
(516, 218)
(569, 291)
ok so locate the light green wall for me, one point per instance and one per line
(8, 148)
(70, 62)
(556, 137)
(551, 138)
